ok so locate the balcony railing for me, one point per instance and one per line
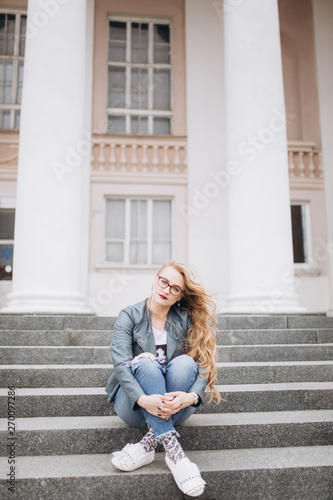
(304, 161)
(131, 154)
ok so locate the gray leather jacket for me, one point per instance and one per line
(133, 335)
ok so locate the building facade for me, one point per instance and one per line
(133, 133)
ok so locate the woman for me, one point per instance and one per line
(163, 351)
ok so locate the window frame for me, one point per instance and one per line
(127, 240)
(306, 217)
(150, 113)
(8, 202)
(16, 58)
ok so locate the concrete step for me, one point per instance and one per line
(264, 337)
(55, 322)
(228, 373)
(32, 355)
(275, 352)
(299, 473)
(91, 401)
(267, 321)
(91, 337)
(68, 435)
(224, 322)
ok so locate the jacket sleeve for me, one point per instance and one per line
(199, 386)
(121, 352)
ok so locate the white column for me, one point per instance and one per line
(261, 278)
(323, 22)
(51, 231)
(208, 177)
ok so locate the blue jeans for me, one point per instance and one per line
(178, 375)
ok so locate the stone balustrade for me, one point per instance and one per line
(304, 160)
(131, 154)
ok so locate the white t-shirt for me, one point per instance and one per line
(160, 337)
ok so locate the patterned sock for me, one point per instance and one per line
(172, 447)
(148, 442)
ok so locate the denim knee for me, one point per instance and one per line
(184, 362)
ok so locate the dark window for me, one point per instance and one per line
(7, 222)
(299, 233)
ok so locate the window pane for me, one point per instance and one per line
(298, 230)
(139, 48)
(139, 219)
(162, 54)
(116, 124)
(17, 120)
(6, 82)
(116, 87)
(162, 126)
(161, 231)
(2, 33)
(161, 43)
(2, 71)
(138, 231)
(7, 222)
(161, 33)
(139, 125)
(117, 30)
(161, 89)
(117, 51)
(139, 88)
(6, 261)
(19, 82)
(161, 219)
(138, 253)
(114, 252)
(23, 29)
(115, 219)
(5, 119)
(10, 34)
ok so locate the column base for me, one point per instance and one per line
(64, 303)
(263, 303)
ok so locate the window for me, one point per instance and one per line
(139, 77)
(300, 221)
(7, 221)
(12, 45)
(138, 231)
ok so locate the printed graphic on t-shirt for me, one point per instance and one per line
(161, 354)
(160, 337)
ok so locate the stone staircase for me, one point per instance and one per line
(270, 439)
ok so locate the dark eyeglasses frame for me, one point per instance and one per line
(169, 286)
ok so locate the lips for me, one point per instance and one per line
(163, 297)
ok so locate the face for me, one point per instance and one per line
(163, 296)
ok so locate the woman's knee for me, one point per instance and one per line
(184, 362)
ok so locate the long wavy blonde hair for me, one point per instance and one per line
(201, 337)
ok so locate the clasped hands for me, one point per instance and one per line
(164, 406)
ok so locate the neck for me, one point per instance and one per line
(158, 310)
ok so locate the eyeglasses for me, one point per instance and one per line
(174, 289)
